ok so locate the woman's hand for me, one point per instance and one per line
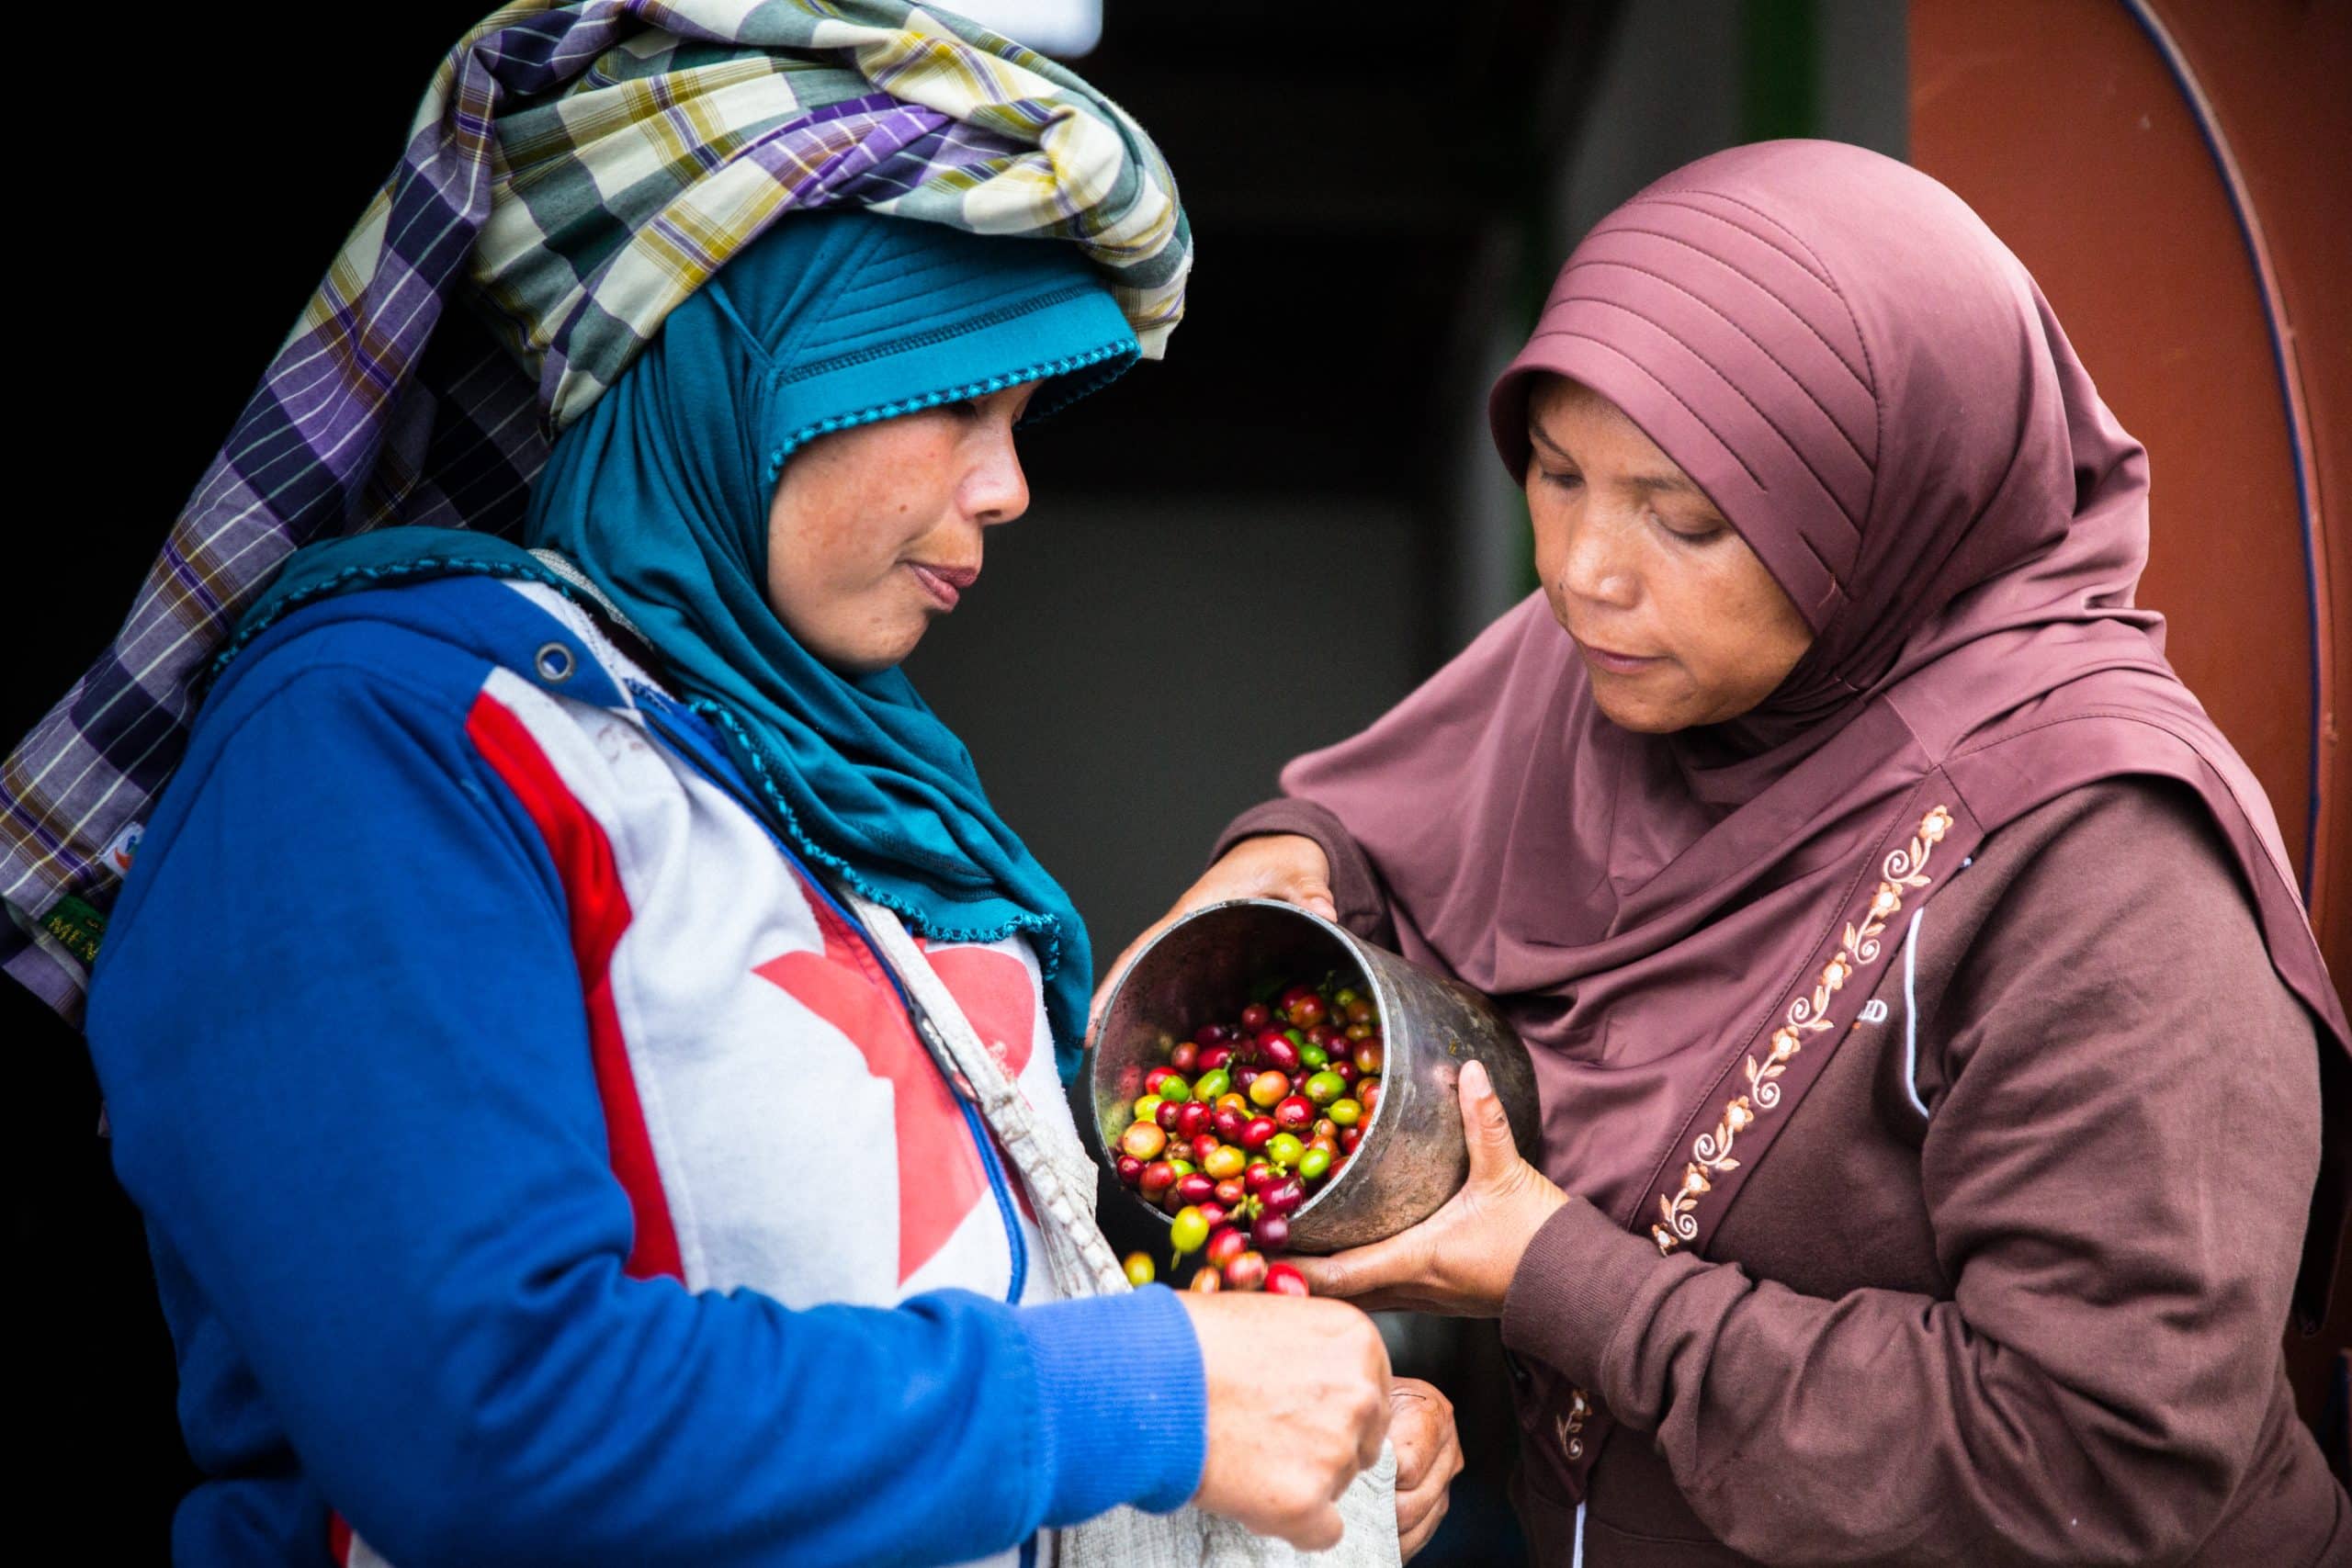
(1429, 1456)
(1288, 866)
(1283, 1449)
(1460, 1260)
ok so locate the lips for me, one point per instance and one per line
(945, 583)
(1612, 661)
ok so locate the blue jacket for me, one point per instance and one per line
(339, 1019)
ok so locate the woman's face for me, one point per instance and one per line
(1678, 624)
(876, 529)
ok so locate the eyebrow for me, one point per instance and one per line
(1677, 483)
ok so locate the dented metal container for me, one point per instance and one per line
(1412, 1156)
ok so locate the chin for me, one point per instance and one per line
(869, 658)
(1642, 718)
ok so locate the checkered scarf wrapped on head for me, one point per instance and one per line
(573, 172)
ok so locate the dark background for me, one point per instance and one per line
(1240, 553)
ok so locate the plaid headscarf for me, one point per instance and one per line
(575, 172)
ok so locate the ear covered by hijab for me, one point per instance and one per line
(1874, 393)
(661, 492)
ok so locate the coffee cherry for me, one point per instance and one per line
(1369, 1054)
(1285, 1196)
(1271, 1231)
(1224, 1162)
(1185, 1057)
(1260, 1177)
(1188, 1230)
(1256, 1016)
(1325, 1131)
(1225, 1244)
(1209, 1035)
(1129, 1168)
(1306, 1011)
(1201, 1147)
(1192, 1119)
(1293, 1112)
(1268, 1088)
(1212, 1086)
(1323, 1088)
(1231, 1193)
(1195, 1188)
(1139, 1270)
(1284, 1149)
(1148, 1108)
(1245, 1271)
(1282, 1280)
(1178, 1162)
(1165, 1113)
(1207, 1281)
(1349, 1138)
(1344, 1069)
(1276, 1050)
(1144, 1141)
(1158, 1177)
(1215, 1057)
(1227, 1123)
(1173, 1087)
(1313, 1057)
(1315, 1163)
(1368, 1095)
(1256, 1131)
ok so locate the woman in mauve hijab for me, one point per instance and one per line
(1943, 1098)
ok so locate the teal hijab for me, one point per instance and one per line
(660, 495)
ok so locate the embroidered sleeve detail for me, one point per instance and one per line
(1570, 1428)
(1711, 1152)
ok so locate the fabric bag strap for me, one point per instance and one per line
(1060, 1176)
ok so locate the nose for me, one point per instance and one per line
(1596, 566)
(995, 489)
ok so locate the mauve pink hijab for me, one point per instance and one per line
(1873, 391)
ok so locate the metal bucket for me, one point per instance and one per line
(1412, 1157)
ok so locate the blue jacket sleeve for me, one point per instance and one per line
(340, 1032)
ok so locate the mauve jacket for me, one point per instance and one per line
(2009, 1286)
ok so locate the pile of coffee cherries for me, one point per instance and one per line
(1246, 1120)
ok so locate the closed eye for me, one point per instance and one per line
(1696, 531)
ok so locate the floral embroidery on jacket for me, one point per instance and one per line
(1711, 1152)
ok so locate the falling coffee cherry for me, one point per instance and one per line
(1229, 1243)
(1189, 1230)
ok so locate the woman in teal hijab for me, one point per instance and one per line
(781, 597)
(578, 854)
